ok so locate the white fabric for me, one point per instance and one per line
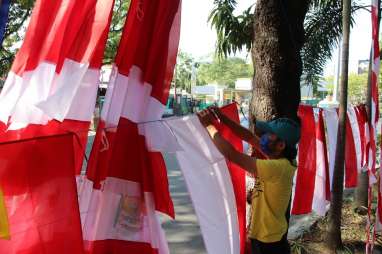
(320, 204)
(209, 183)
(356, 136)
(159, 137)
(331, 123)
(42, 94)
(99, 209)
(130, 98)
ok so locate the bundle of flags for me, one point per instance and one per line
(46, 107)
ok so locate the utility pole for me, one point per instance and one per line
(334, 240)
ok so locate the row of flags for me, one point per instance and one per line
(316, 155)
(46, 107)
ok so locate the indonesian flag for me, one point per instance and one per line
(216, 186)
(322, 181)
(45, 110)
(306, 171)
(374, 110)
(126, 183)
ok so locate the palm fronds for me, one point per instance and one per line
(323, 30)
(234, 33)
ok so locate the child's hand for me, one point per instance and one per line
(205, 117)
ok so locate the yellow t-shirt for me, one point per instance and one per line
(270, 201)
(4, 226)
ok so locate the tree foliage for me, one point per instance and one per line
(19, 13)
(323, 28)
(120, 10)
(225, 71)
(234, 33)
(183, 70)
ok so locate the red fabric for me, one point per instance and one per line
(118, 247)
(362, 119)
(306, 172)
(320, 135)
(131, 162)
(237, 173)
(351, 172)
(79, 130)
(151, 43)
(41, 197)
(64, 29)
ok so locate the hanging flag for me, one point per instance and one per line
(322, 183)
(45, 110)
(126, 183)
(4, 10)
(374, 110)
(4, 224)
(306, 171)
(238, 175)
(210, 185)
(53, 82)
(331, 123)
(351, 155)
(362, 126)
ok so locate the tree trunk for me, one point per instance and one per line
(278, 39)
(334, 235)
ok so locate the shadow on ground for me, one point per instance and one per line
(183, 234)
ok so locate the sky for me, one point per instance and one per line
(198, 39)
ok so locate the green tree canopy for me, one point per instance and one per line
(225, 71)
(323, 28)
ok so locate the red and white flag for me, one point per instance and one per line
(374, 110)
(306, 171)
(126, 183)
(45, 110)
(216, 186)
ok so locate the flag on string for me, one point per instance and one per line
(53, 82)
(238, 175)
(322, 182)
(306, 171)
(374, 110)
(217, 189)
(126, 182)
(45, 110)
(4, 10)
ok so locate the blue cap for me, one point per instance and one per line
(284, 128)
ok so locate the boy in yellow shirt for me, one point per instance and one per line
(274, 176)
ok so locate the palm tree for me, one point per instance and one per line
(286, 39)
(334, 234)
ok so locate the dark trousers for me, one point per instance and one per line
(280, 247)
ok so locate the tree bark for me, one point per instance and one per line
(278, 39)
(334, 233)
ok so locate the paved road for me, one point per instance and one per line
(183, 234)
